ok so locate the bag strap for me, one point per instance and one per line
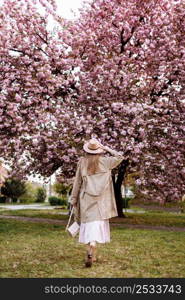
(69, 218)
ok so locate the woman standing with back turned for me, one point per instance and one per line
(93, 195)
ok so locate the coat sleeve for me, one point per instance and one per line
(76, 186)
(115, 160)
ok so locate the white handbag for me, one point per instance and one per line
(74, 228)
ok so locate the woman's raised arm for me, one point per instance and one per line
(116, 158)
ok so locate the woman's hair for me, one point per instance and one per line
(92, 163)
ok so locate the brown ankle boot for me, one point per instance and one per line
(89, 260)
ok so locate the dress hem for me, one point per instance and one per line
(98, 231)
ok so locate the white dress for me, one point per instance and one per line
(98, 231)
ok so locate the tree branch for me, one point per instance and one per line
(44, 40)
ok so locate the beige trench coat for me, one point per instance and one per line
(94, 194)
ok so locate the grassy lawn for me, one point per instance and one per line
(135, 202)
(152, 218)
(36, 213)
(24, 203)
(45, 250)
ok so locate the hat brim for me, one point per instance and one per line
(97, 151)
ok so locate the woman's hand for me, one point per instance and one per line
(105, 148)
(101, 145)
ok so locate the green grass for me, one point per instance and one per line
(36, 213)
(45, 250)
(136, 202)
(151, 218)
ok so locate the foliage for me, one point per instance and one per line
(2, 199)
(126, 202)
(57, 201)
(30, 194)
(131, 178)
(13, 188)
(61, 188)
(40, 195)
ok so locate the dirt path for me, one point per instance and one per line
(63, 222)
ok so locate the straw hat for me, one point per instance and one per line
(93, 147)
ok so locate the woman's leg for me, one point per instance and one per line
(88, 248)
(89, 259)
(93, 250)
(91, 254)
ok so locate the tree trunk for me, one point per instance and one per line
(117, 187)
(118, 197)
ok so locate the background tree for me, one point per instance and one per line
(13, 188)
(133, 88)
(35, 76)
(40, 195)
(61, 188)
(30, 194)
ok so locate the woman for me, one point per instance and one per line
(93, 195)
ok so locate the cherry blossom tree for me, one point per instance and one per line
(35, 81)
(132, 76)
(116, 73)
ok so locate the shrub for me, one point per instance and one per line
(61, 188)
(126, 202)
(63, 202)
(53, 200)
(13, 188)
(2, 199)
(30, 194)
(40, 195)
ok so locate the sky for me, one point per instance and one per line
(68, 9)
(65, 7)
